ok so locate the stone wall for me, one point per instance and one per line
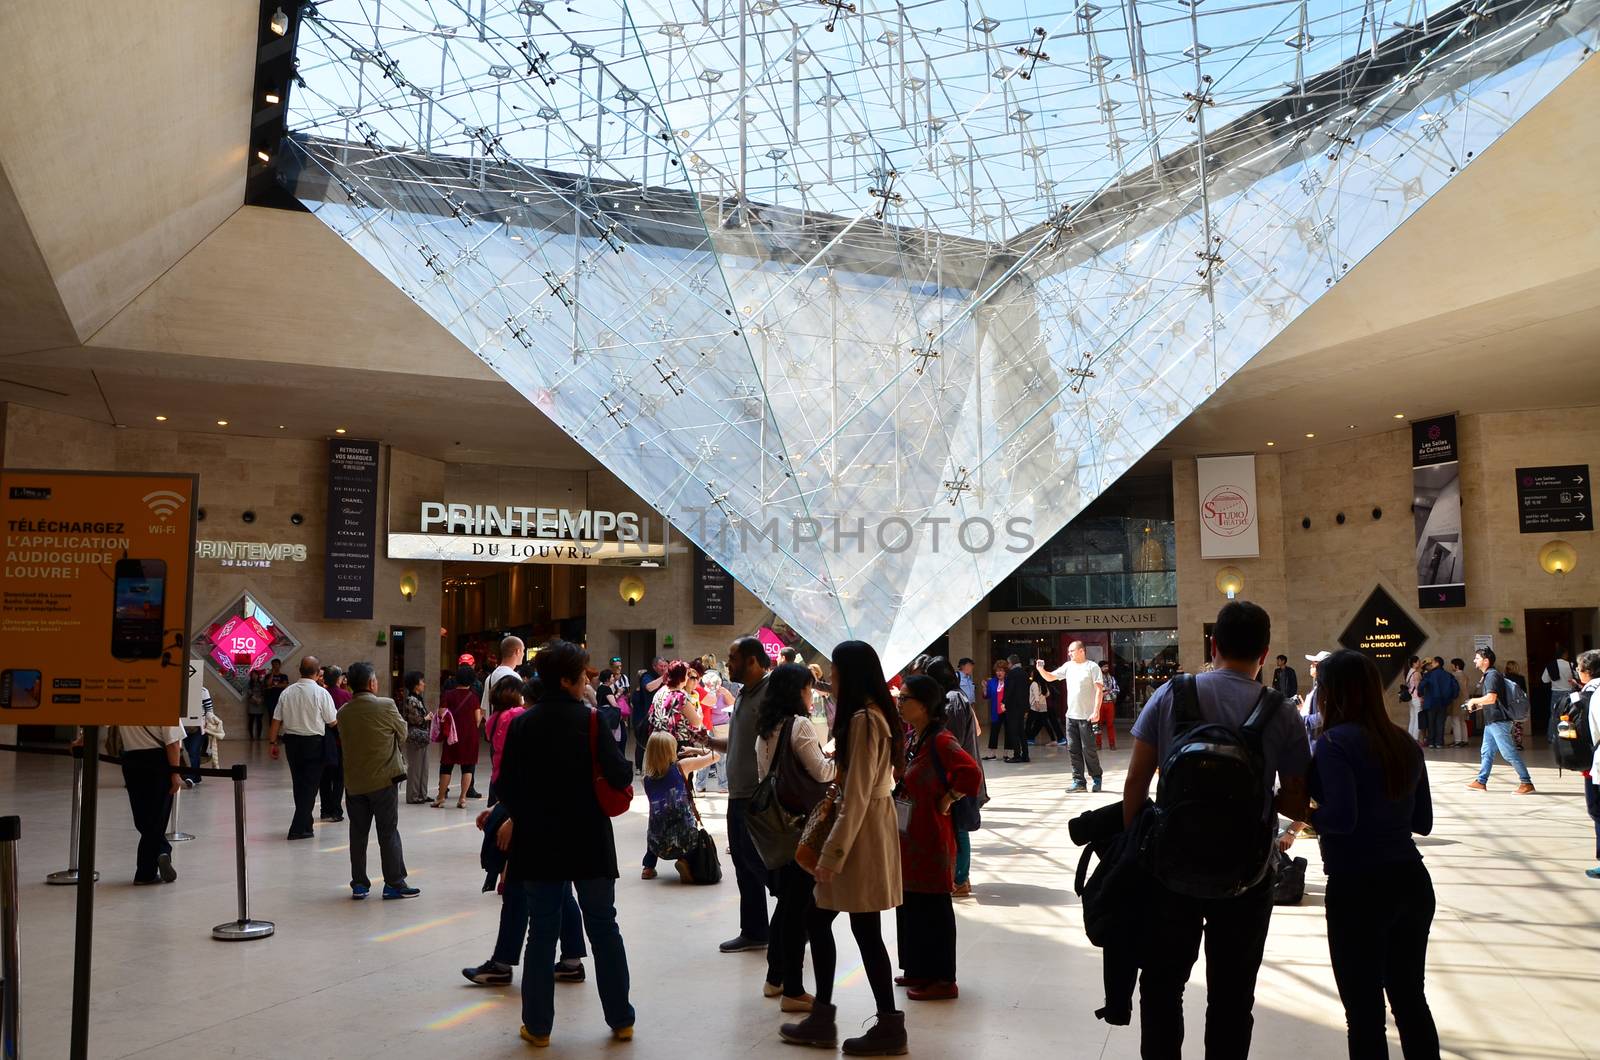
(1313, 579)
(274, 478)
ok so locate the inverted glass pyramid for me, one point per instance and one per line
(870, 299)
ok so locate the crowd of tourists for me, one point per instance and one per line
(852, 792)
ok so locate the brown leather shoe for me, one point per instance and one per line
(1477, 786)
(1523, 789)
(934, 992)
(647, 874)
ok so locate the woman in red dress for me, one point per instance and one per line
(460, 714)
(938, 773)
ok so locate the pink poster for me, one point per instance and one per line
(769, 640)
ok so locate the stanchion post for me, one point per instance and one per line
(83, 940)
(10, 952)
(174, 833)
(242, 929)
(70, 873)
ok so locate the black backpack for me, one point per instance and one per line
(1208, 838)
(1577, 753)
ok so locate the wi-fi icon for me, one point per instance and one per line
(163, 503)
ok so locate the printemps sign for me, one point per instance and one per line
(518, 534)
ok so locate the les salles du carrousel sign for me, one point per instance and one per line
(1102, 618)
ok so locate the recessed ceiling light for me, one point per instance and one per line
(272, 97)
(161, 419)
(280, 427)
(338, 430)
(1310, 435)
(1399, 415)
(1272, 443)
(1350, 427)
(222, 423)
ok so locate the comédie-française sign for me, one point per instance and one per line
(1114, 618)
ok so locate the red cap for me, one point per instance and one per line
(466, 660)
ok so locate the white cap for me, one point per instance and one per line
(1321, 655)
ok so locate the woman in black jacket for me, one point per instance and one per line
(559, 837)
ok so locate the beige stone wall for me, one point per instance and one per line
(1313, 579)
(274, 478)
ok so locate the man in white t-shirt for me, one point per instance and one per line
(511, 653)
(1085, 686)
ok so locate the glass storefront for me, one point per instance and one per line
(1116, 562)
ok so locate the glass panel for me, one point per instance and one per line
(810, 269)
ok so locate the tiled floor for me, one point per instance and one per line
(1512, 969)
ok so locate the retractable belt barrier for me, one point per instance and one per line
(240, 929)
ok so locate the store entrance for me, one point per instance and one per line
(484, 602)
(1142, 660)
(1548, 631)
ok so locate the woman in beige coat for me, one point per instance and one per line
(859, 869)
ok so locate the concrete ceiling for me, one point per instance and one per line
(1487, 298)
(134, 284)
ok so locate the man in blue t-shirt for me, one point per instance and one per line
(1234, 929)
(1496, 725)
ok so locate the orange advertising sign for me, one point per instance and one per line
(95, 594)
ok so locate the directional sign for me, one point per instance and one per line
(1554, 499)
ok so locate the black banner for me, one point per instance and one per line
(352, 529)
(713, 592)
(1436, 513)
(1554, 499)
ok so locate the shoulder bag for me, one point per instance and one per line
(613, 800)
(964, 815)
(774, 829)
(808, 851)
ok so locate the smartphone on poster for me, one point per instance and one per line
(138, 608)
(21, 689)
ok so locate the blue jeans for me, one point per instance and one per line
(1498, 734)
(514, 926)
(597, 900)
(194, 743)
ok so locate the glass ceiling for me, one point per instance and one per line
(798, 268)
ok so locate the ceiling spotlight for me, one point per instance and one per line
(263, 156)
(1270, 444)
(1310, 435)
(222, 423)
(272, 97)
(338, 430)
(1399, 415)
(1350, 427)
(279, 23)
(281, 427)
(161, 419)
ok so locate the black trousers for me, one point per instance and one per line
(147, 777)
(331, 785)
(997, 728)
(1235, 934)
(752, 876)
(1015, 720)
(796, 900)
(1378, 941)
(1043, 719)
(304, 754)
(254, 724)
(925, 928)
(381, 808)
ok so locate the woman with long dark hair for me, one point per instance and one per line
(1371, 790)
(785, 717)
(858, 871)
(938, 774)
(417, 717)
(961, 719)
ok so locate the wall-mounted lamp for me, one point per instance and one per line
(1557, 557)
(408, 585)
(631, 589)
(1230, 582)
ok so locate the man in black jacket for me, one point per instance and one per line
(1014, 697)
(559, 837)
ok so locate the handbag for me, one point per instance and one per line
(797, 789)
(774, 830)
(702, 863)
(964, 815)
(613, 800)
(808, 851)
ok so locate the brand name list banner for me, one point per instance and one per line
(1230, 524)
